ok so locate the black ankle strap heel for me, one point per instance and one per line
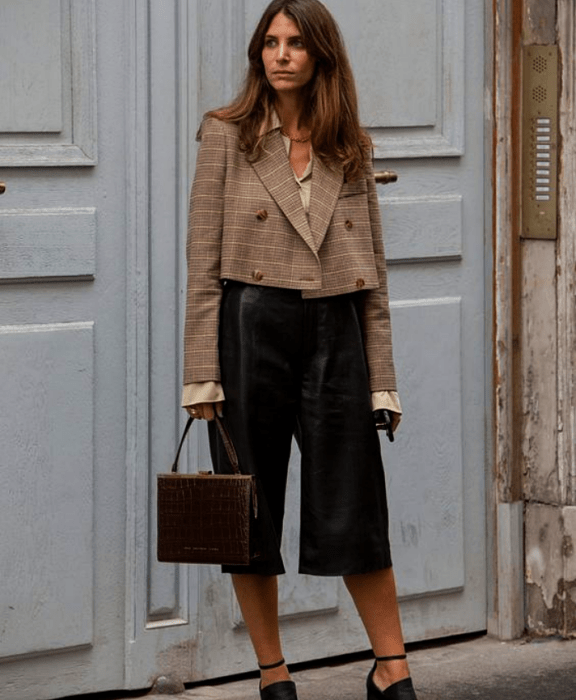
(268, 667)
(282, 690)
(402, 690)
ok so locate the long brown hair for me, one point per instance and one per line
(330, 101)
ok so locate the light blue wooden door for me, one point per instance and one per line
(92, 231)
(62, 348)
(419, 66)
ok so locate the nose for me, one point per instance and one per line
(283, 52)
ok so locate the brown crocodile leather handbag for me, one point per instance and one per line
(204, 518)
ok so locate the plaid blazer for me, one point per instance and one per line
(247, 223)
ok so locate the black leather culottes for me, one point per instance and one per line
(296, 367)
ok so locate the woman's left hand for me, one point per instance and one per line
(206, 411)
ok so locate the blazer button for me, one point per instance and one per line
(360, 283)
(261, 214)
(257, 275)
(349, 224)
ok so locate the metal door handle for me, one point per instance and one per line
(385, 177)
(2, 187)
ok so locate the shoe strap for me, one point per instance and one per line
(398, 657)
(267, 667)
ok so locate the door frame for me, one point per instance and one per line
(505, 507)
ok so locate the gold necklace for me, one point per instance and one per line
(294, 139)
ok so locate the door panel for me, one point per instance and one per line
(54, 243)
(48, 80)
(33, 83)
(62, 348)
(47, 492)
(425, 471)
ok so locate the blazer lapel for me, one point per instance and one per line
(326, 186)
(277, 176)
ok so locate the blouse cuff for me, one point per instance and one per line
(202, 392)
(391, 402)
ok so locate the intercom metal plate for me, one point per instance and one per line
(539, 141)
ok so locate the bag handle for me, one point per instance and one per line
(226, 439)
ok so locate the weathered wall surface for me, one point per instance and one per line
(550, 569)
(547, 366)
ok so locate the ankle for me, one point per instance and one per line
(390, 671)
(273, 673)
(274, 676)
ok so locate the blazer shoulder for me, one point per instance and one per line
(212, 126)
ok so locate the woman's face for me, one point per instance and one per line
(287, 63)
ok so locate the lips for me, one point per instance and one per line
(282, 73)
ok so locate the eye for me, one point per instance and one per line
(298, 43)
(270, 43)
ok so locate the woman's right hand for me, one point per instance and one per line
(206, 411)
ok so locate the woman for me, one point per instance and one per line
(288, 327)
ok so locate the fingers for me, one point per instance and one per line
(205, 411)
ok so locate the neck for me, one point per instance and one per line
(289, 108)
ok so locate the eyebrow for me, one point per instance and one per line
(274, 36)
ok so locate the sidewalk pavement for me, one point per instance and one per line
(481, 667)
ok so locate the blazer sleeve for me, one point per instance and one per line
(376, 310)
(203, 248)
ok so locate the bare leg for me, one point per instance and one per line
(374, 595)
(258, 599)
